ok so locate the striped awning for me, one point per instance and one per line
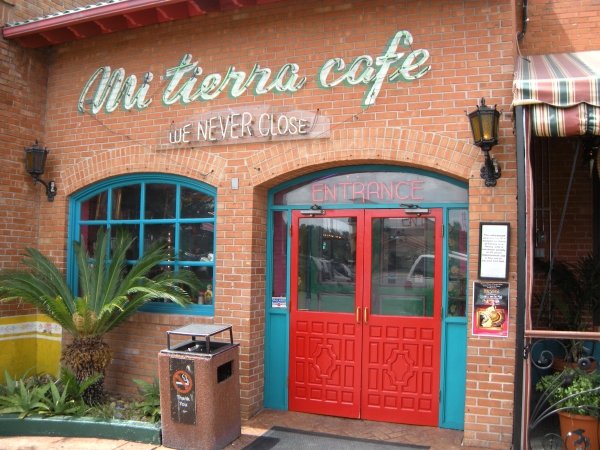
(562, 92)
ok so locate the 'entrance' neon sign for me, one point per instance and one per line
(186, 83)
(368, 192)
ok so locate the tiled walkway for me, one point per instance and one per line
(437, 439)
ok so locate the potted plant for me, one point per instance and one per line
(574, 395)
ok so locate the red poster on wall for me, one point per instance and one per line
(490, 309)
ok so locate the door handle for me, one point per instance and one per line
(366, 315)
(358, 314)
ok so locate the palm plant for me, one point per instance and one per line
(109, 292)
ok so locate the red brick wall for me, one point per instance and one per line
(561, 26)
(23, 80)
(419, 124)
(576, 239)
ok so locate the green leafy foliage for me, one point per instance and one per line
(76, 389)
(46, 396)
(573, 390)
(149, 407)
(24, 399)
(59, 403)
(110, 289)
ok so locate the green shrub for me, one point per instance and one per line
(149, 407)
(573, 391)
(23, 397)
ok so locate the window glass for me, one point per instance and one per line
(160, 201)
(133, 230)
(163, 233)
(87, 236)
(94, 208)
(196, 242)
(126, 203)
(205, 295)
(196, 204)
(154, 208)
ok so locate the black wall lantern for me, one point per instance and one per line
(484, 126)
(35, 162)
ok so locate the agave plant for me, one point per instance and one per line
(109, 291)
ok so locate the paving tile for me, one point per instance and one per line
(436, 438)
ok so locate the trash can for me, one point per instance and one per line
(199, 388)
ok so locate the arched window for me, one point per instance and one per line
(153, 207)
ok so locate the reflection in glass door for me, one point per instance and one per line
(326, 264)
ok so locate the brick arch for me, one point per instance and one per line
(196, 165)
(398, 146)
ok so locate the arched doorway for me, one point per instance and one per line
(367, 273)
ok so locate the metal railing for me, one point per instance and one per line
(551, 389)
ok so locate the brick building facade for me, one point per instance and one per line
(416, 126)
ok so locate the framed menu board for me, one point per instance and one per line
(493, 250)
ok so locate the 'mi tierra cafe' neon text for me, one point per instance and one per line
(186, 84)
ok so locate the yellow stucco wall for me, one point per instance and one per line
(29, 343)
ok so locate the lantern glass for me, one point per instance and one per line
(475, 126)
(35, 159)
(488, 125)
(484, 125)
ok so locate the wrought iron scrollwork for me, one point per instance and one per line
(542, 355)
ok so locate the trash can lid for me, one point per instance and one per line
(200, 330)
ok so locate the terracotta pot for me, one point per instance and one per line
(571, 422)
(560, 364)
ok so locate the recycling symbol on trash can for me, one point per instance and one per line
(182, 382)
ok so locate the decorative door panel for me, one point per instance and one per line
(327, 362)
(402, 375)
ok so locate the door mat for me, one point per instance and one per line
(281, 438)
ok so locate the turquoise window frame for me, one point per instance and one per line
(454, 329)
(75, 223)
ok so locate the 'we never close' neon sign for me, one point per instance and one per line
(185, 82)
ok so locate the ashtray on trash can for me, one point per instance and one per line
(199, 388)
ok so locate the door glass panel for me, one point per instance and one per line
(457, 262)
(280, 232)
(326, 264)
(402, 266)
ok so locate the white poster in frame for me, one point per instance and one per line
(493, 250)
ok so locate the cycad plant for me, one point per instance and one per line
(109, 291)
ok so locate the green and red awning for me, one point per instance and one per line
(562, 92)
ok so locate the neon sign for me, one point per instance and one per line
(368, 191)
(187, 84)
(373, 187)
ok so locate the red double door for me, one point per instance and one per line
(365, 314)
